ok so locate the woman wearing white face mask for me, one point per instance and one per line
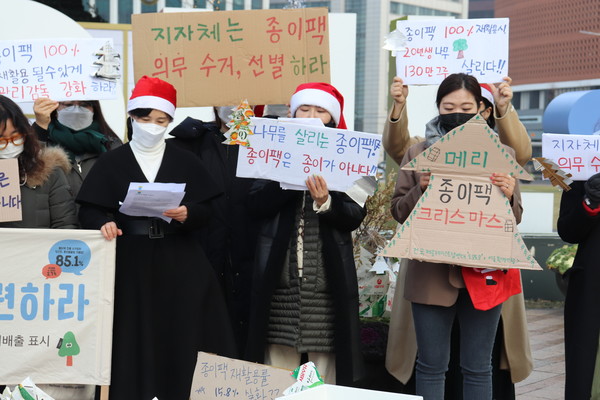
(79, 128)
(46, 200)
(168, 304)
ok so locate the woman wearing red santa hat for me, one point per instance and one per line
(168, 304)
(305, 291)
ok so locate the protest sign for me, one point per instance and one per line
(56, 306)
(10, 191)
(221, 58)
(462, 218)
(433, 49)
(578, 155)
(217, 377)
(290, 152)
(61, 69)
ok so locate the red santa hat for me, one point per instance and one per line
(153, 93)
(321, 95)
(486, 92)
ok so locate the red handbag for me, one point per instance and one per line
(490, 287)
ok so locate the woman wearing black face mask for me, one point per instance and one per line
(459, 98)
(497, 111)
(79, 128)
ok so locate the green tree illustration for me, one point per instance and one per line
(460, 45)
(69, 348)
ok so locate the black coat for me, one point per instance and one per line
(277, 207)
(229, 239)
(582, 311)
(168, 304)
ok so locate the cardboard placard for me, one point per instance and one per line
(61, 69)
(56, 308)
(434, 49)
(220, 58)
(10, 191)
(462, 218)
(578, 155)
(217, 377)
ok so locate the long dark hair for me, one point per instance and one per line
(103, 126)
(29, 160)
(459, 81)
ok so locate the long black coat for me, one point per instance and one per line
(168, 304)
(278, 208)
(582, 313)
(229, 238)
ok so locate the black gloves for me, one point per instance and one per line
(592, 191)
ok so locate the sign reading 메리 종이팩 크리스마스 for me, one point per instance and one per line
(220, 58)
(462, 218)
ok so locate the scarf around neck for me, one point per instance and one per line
(75, 143)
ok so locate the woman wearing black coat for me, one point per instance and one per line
(579, 222)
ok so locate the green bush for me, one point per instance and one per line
(562, 258)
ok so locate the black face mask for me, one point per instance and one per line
(452, 120)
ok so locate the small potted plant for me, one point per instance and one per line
(560, 260)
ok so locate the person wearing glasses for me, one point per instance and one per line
(79, 128)
(46, 199)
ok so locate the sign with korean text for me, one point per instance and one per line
(462, 218)
(433, 49)
(61, 69)
(220, 58)
(578, 155)
(10, 191)
(56, 306)
(290, 152)
(222, 377)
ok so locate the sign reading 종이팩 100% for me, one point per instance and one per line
(61, 69)
(434, 49)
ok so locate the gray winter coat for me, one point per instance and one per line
(46, 198)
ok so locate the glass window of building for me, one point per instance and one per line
(534, 100)
(238, 4)
(257, 4)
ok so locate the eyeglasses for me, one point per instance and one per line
(17, 139)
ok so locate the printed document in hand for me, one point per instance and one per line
(152, 199)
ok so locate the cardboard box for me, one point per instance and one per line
(333, 392)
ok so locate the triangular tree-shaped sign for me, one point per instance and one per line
(462, 218)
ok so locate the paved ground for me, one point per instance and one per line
(547, 381)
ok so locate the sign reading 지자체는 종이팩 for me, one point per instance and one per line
(430, 50)
(220, 58)
(578, 155)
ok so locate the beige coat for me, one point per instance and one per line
(402, 345)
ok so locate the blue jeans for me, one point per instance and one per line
(433, 325)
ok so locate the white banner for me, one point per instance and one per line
(61, 69)
(56, 306)
(578, 155)
(433, 49)
(290, 152)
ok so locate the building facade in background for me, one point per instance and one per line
(373, 21)
(553, 50)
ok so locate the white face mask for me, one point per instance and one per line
(147, 135)
(75, 117)
(11, 151)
